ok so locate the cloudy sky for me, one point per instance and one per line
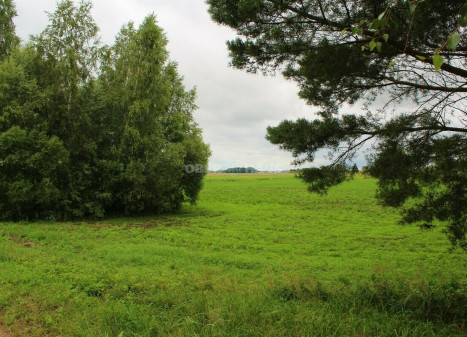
(234, 107)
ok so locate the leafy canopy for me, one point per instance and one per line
(403, 62)
(8, 38)
(88, 130)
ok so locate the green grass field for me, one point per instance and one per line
(258, 256)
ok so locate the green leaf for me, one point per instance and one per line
(379, 45)
(453, 41)
(412, 8)
(420, 57)
(357, 30)
(438, 61)
(390, 65)
(378, 24)
(383, 22)
(385, 37)
(363, 48)
(344, 30)
(381, 15)
(463, 10)
(462, 21)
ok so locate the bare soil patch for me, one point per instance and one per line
(23, 241)
(4, 333)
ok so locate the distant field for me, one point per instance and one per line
(258, 256)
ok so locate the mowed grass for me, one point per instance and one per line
(258, 256)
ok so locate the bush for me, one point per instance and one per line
(77, 141)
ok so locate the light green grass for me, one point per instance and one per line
(258, 256)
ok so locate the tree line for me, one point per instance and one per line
(88, 130)
(240, 170)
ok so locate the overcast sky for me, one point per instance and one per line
(234, 107)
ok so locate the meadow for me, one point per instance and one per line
(257, 256)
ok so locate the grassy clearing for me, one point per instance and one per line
(258, 256)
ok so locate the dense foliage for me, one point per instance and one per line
(87, 130)
(403, 62)
(8, 38)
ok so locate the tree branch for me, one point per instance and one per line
(424, 87)
(400, 46)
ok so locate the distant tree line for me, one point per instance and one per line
(241, 170)
(88, 130)
(352, 170)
